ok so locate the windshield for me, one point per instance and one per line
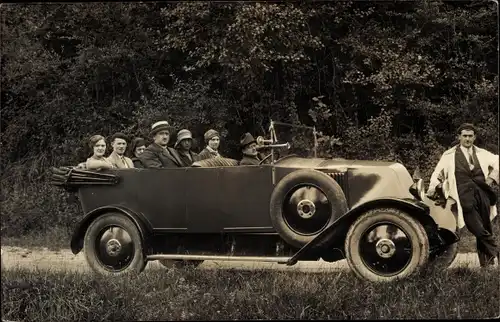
(301, 139)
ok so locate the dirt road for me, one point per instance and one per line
(45, 259)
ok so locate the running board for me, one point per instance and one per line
(279, 260)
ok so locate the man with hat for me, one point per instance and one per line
(212, 139)
(158, 154)
(117, 157)
(183, 147)
(249, 150)
(465, 174)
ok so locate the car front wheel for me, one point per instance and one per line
(113, 245)
(386, 244)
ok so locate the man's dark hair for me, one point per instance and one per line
(467, 127)
(119, 135)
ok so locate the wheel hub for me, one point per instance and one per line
(306, 208)
(385, 248)
(113, 247)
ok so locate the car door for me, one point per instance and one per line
(204, 194)
(233, 198)
(161, 195)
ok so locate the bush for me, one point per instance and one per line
(30, 204)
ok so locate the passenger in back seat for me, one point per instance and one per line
(158, 154)
(183, 147)
(212, 139)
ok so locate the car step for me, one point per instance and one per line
(279, 260)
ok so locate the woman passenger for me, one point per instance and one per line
(137, 147)
(97, 161)
(212, 139)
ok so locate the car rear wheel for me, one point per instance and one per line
(386, 244)
(304, 203)
(113, 245)
(179, 263)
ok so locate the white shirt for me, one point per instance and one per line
(468, 155)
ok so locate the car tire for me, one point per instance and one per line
(179, 263)
(443, 260)
(113, 246)
(296, 226)
(403, 252)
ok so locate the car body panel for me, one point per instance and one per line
(237, 198)
(367, 180)
(229, 199)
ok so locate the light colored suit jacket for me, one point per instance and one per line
(118, 162)
(445, 173)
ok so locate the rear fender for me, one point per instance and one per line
(142, 224)
(338, 230)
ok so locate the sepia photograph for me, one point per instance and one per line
(249, 160)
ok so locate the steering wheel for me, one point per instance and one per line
(265, 158)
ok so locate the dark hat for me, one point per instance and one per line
(246, 139)
(210, 134)
(160, 126)
(182, 135)
(137, 142)
(119, 135)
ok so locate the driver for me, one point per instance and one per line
(249, 150)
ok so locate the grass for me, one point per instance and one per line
(56, 238)
(193, 294)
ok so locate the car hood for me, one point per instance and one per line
(333, 164)
(368, 180)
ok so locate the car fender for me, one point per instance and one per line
(143, 225)
(338, 229)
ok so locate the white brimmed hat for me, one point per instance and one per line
(160, 126)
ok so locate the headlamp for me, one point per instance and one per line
(417, 189)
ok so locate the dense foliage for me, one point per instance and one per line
(379, 80)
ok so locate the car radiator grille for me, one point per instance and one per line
(341, 178)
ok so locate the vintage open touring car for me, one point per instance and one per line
(285, 210)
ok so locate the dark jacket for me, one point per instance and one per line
(469, 180)
(137, 162)
(248, 160)
(206, 154)
(186, 162)
(156, 156)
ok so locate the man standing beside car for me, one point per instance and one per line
(249, 150)
(158, 154)
(466, 174)
(117, 157)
